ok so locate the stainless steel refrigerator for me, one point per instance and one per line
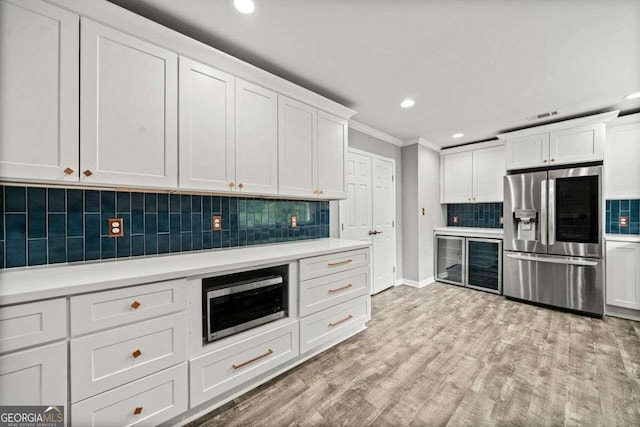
(553, 239)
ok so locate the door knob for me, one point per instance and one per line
(373, 232)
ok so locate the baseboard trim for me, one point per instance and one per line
(421, 284)
(624, 313)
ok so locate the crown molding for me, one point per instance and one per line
(360, 127)
(565, 124)
(420, 140)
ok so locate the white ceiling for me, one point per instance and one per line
(473, 66)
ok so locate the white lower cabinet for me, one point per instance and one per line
(325, 292)
(221, 370)
(145, 402)
(623, 274)
(24, 325)
(34, 377)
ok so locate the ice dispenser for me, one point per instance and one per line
(526, 220)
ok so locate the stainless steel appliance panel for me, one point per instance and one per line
(524, 212)
(575, 212)
(568, 282)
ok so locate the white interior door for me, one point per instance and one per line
(383, 208)
(370, 208)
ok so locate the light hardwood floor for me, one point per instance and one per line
(445, 355)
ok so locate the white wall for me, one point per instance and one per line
(410, 238)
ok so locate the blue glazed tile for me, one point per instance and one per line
(226, 221)
(150, 203)
(91, 201)
(163, 213)
(2, 216)
(233, 222)
(57, 248)
(150, 224)
(242, 237)
(615, 208)
(186, 241)
(1, 253)
(123, 246)
(37, 251)
(15, 199)
(107, 210)
(150, 244)
(185, 213)
(206, 207)
(196, 241)
(634, 228)
(36, 213)
(216, 239)
(137, 244)
(137, 213)
(16, 253)
(226, 237)
(615, 229)
(216, 205)
(16, 226)
(75, 249)
(123, 201)
(163, 243)
(175, 242)
(57, 225)
(174, 203)
(57, 200)
(224, 203)
(91, 236)
(206, 240)
(634, 211)
(196, 224)
(75, 201)
(75, 226)
(108, 248)
(174, 223)
(196, 204)
(624, 205)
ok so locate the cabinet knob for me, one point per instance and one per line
(87, 173)
(315, 191)
(68, 171)
(137, 411)
(136, 354)
(553, 160)
(469, 199)
(232, 184)
(545, 160)
(240, 186)
(135, 305)
(320, 191)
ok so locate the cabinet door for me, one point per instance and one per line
(527, 152)
(207, 143)
(623, 274)
(488, 171)
(332, 154)
(457, 177)
(256, 139)
(128, 110)
(297, 148)
(34, 377)
(583, 144)
(622, 162)
(484, 264)
(38, 92)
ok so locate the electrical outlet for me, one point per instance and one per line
(116, 227)
(294, 221)
(456, 220)
(216, 222)
(623, 221)
(501, 220)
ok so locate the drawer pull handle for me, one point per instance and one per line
(137, 411)
(255, 359)
(87, 173)
(341, 288)
(335, 264)
(68, 171)
(349, 317)
(135, 305)
(136, 354)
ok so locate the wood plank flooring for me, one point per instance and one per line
(445, 355)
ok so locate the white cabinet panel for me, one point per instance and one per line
(331, 159)
(488, 171)
(622, 164)
(34, 323)
(311, 268)
(575, 145)
(457, 179)
(623, 274)
(207, 142)
(256, 139)
(297, 148)
(39, 92)
(325, 292)
(34, 377)
(527, 152)
(128, 110)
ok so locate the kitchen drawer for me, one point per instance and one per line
(323, 327)
(112, 358)
(221, 370)
(146, 402)
(324, 292)
(34, 377)
(333, 263)
(34, 323)
(118, 307)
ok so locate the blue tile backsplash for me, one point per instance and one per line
(628, 208)
(53, 225)
(486, 215)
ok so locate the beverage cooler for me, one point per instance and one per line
(469, 261)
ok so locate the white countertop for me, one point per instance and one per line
(630, 238)
(491, 233)
(36, 283)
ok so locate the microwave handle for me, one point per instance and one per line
(543, 212)
(552, 211)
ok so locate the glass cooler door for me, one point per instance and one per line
(450, 259)
(484, 264)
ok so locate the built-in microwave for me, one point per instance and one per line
(238, 302)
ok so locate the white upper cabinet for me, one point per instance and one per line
(38, 92)
(527, 152)
(457, 177)
(488, 173)
(256, 139)
(207, 143)
(623, 274)
(622, 163)
(128, 110)
(297, 148)
(332, 152)
(583, 144)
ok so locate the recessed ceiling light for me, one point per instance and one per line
(457, 135)
(633, 95)
(407, 103)
(245, 6)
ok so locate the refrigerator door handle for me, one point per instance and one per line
(552, 212)
(543, 212)
(552, 260)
